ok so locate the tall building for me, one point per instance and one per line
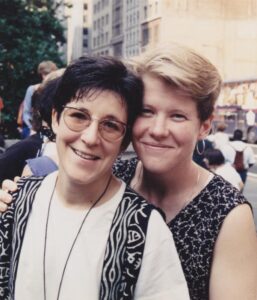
(87, 26)
(132, 28)
(117, 28)
(102, 27)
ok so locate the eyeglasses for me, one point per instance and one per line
(77, 120)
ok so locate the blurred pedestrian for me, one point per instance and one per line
(2, 144)
(199, 153)
(220, 138)
(243, 153)
(44, 68)
(215, 161)
(13, 160)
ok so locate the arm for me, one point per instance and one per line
(234, 267)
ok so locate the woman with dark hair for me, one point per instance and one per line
(80, 232)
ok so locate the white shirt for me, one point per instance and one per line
(230, 174)
(160, 277)
(220, 139)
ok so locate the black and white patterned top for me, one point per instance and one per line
(124, 249)
(196, 227)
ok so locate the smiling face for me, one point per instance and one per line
(86, 157)
(165, 134)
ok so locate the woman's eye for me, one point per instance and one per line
(178, 117)
(146, 112)
(78, 115)
(111, 125)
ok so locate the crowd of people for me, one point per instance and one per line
(231, 158)
(108, 214)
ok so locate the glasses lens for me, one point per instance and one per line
(112, 130)
(75, 119)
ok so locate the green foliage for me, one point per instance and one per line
(29, 34)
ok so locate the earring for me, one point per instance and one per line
(203, 147)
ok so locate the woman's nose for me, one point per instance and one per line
(90, 135)
(159, 127)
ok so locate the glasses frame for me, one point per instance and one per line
(124, 125)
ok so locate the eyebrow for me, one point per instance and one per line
(107, 117)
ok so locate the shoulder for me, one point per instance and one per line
(220, 191)
(125, 169)
(134, 204)
(41, 166)
(27, 184)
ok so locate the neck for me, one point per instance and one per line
(171, 192)
(81, 196)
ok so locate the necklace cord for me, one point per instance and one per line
(74, 241)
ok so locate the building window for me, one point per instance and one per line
(145, 36)
(145, 12)
(85, 6)
(85, 43)
(117, 30)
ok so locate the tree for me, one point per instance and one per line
(29, 33)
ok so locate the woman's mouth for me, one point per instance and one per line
(84, 155)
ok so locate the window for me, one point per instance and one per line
(145, 36)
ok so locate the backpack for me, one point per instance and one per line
(239, 161)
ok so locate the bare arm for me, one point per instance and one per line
(234, 267)
(5, 197)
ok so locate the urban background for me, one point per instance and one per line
(225, 31)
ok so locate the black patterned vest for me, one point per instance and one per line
(123, 253)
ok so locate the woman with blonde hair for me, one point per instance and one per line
(212, 223)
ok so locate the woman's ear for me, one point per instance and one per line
(55, 122)
(205, 128)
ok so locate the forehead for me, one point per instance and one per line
(105, 102)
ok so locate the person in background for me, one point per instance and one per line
(215, 161)
(199, 153)
(2, 144)
(81, 233)
(220, 138)
(211, 222)
(44, 68)
(13, 160)
(247, 153)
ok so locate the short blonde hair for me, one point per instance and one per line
(186, 70)
(46, 67)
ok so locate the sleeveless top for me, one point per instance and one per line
(196, 227)
(126, 240)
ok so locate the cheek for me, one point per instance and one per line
(140, 126)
